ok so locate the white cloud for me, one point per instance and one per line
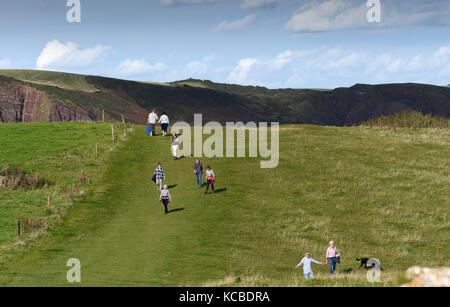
(332, 15)
(185, 2)
(343, 67)
(136, 67)
(253, 4)
(199, 68)
(5, 63)
(56, 54)
(240, 72)
(236, 25)
(329, 15)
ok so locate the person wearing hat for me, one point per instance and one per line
(306, 262)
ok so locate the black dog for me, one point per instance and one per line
(364, 262)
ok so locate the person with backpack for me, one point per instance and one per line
(175, 144)
(159, 176)
(198, 171)
(164, 122)
(165, 198)
(210, 179)
(152, 120)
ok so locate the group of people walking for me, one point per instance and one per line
(159, 175)
(332, 257)
(154, 120)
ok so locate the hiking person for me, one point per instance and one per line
(198, 171)
(306, 262)
(164, 122)
(333, 257)
(159, 176)
(165, 198)
(210, 179)
(175, 144)
(152, 120)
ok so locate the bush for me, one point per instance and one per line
(409, 119)
(13, 178)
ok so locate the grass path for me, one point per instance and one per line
(377, 193)
(134, 244)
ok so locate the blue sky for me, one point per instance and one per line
(273, 43)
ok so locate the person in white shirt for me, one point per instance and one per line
(152, 120)
(175, 144)
(164, 121)
(306, 262)
(210, 179)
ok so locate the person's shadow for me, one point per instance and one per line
(221, 190)
(176, 210)
(172, 186)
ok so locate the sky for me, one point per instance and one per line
(272, 43)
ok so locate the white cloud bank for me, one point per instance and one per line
(331, 15)
(140, 66)
(185, 2)
(341, 67)
(58, 55)
(5, 63)
(254, 4)
(236, 25)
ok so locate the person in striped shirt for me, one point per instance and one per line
(160, 176)
(165, 198)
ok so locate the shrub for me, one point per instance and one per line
(13, 178)
(409, 119)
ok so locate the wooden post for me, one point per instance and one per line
(103, 115)
(18, 228)
(83, 177)
(112, 131)
(123, 120)
(48, 202)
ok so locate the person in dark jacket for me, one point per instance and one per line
(198, 171)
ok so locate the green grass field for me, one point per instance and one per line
(377, 193)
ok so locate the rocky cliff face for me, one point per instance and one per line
(24, 103)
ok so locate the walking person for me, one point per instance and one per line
(152, 120)
(164, 122)
(307, 269)
(210, 179)
(160, 176)
(333, 257)
(198, 171)
(165, 198)
(175, 144)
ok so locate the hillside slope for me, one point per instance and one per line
(51, 96)
(377, 192)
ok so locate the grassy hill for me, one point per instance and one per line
(70, 97)
(377, 192)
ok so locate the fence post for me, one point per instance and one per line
(48, 202)
(112, 131)
(18, 228)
